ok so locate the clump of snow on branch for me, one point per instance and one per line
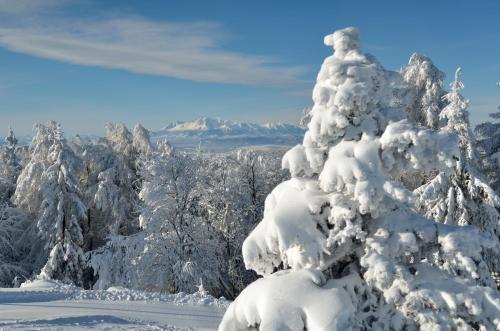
(271, 303)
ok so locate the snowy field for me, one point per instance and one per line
(46, 305)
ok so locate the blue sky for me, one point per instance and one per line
(85, 63)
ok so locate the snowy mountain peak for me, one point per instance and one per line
(203, 124)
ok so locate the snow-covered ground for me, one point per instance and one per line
(45, 305)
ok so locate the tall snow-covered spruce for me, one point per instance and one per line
(461, 197)
(62, 212)
(488, 143)
(355, 254)
(426, 91)
(9, 167)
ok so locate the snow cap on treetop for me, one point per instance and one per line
(344, 40)
(458, 74)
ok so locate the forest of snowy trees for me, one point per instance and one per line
(385, 217)
(120, 211)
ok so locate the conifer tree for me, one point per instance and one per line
(9, 167)
(488, 143)
(354, 252)
(425, 97)
(62, 213)
(461, 197)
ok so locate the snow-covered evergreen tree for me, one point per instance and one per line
(456, 117)
(355, 253)
(118, 184)
(120, 138)
(62, 212)
(27, 196)
(461, 197)
(29, 181)
(488, 143)
(111, 182)
(115, 198)
(141, 140)
(425, 82)
(423, 97)
(9, 167)
(13, 224)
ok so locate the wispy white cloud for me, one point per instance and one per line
(189, 50)
(18, 7)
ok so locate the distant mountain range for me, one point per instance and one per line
(214, 133)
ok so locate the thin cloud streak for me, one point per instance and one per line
(29, 7)
(189, 51)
